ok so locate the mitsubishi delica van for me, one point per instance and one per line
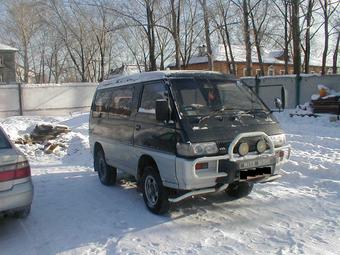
(184, 133)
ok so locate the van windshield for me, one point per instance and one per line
(199, 97)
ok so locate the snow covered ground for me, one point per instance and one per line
(74, 214)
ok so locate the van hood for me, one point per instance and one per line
(226, 128)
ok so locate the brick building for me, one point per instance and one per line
(7, 64)
(272, 60)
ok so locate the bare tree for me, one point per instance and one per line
(258, 16)
(243, 7)
(191, 30)
(175, 31)
(328, 9)
(223, 28)
(207, 33)
(23, 24)
(309, 22)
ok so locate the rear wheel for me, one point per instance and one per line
(239, 189)
(107, 174)
(22, 213)
(155, 195)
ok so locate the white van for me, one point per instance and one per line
(184, 133)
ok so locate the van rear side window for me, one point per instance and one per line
(121, 101)
(102, 101)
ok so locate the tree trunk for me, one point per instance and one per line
(26, 65)
(307, 37)
(296, 36)
(336, 54)
(257, 43)
(233, 70)
(286, 46)
(247, 37)
(226, 51)
(151, 37)
(175, 31)
(325, 50)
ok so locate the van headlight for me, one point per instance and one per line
(278, 140)
(196, 149)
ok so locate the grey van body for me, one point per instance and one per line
(217, 132)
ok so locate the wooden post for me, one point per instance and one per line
(297, 89)
(257, 84)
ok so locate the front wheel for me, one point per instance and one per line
(107, 174)
(239, 189)
(155, 194)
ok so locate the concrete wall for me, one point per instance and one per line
(9, 100)
(308, 86)
(63, 99)
(56, 99)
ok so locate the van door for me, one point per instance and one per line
(121, 127)
(155, 138)
(99, 125)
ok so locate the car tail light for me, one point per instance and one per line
(200, 166)
(15, 171)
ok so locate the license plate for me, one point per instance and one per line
(256, 163)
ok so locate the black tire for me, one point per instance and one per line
(155, 195)
(107, 174)
(239, 189)
(22, 213)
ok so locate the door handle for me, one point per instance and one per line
(138, 127)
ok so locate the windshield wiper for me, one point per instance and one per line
(257, 112)
(213, 113)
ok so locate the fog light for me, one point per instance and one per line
(261, 146)
(243, 149)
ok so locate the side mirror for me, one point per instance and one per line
(162, 110)
(278, 103)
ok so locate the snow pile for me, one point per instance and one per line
(305, 108)
(69, 145)
(74, 214)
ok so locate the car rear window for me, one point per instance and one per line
(4, 144)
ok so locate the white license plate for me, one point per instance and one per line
(256, 163)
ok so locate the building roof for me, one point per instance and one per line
(156, 75)
(272, 56)
(5, 47)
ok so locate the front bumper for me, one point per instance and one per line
(20, 195)
(226, 169)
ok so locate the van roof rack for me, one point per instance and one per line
(158, 75)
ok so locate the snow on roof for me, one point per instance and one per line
(149, 76)
(268, 56)
(239, 53)
(7, 48)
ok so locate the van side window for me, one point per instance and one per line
(102, 100)
(121, 101)
(151, 93)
